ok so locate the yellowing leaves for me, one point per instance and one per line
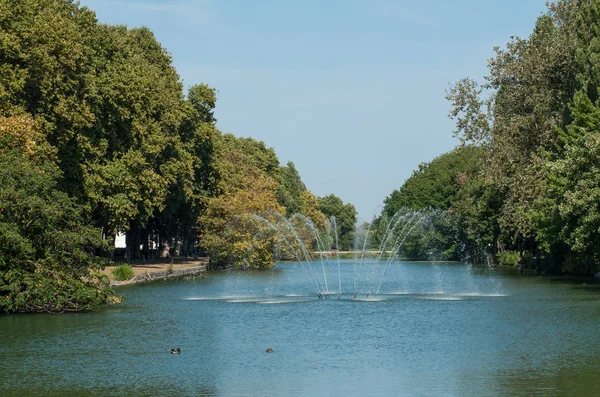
(232, 235)
(22, 133)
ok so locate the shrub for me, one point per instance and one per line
(123, 272)
(508, 258)
(45, 239)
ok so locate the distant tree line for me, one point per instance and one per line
(526, 178)
(98, 138)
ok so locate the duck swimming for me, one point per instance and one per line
(175, 350)
(269, 350)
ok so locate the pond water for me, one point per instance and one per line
(434, 329)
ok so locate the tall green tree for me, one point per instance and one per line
(569, 213)
(46, 241)
(543, 110)
(248, 183)
(290, 194)
(106, 97)
(47, 70)
(345, 215)
(188, 198)
(134, 151)
(438, 190)
(435, 184)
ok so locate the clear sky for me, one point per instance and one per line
(351, 91)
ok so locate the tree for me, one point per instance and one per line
(533, 83)
(472, 114)
(106, 97)
(134, 152)
(310, 207)
(290, 194)
(437, 189)
(569, 213)
(46, 263)
(232, 234)
(188, 198)
(248, 180)
(47, 70)
(345, 215)
(436, 184)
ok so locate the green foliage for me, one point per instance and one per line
(531, 82)
(536, 192)
(251, 182)
(508, 258)
(133, 152)
(232, 235)
(473, 118)
(290, 193)
(248, 180)
(570, 213)
(188, 198)
(43, 235)
(106, 97)
(104, 136)
(440, 190)
(46, 63)
(436, 184)
(203, 100)
(123, 273)
(478, 207)
(345, 215)
(238, 158)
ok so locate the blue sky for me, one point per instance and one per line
(351, 91)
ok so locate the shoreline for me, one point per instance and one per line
(159, 269)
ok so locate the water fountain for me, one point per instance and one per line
(298, 236)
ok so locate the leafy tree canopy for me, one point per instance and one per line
(46, 243)
(345, 215)
(436, 184)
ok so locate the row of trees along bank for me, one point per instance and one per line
(526, 177)
(97, 137)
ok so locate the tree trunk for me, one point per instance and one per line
(132, 241)
(144, 239)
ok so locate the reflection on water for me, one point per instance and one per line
(434, 329)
